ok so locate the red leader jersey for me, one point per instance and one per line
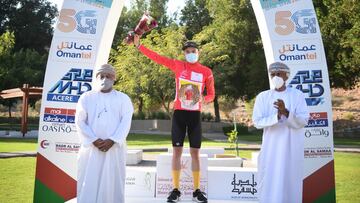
(191, 80)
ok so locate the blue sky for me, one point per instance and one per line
(173, 5)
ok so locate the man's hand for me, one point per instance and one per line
(106, 145)
(97, 142)
(280, 106)
(136, 40)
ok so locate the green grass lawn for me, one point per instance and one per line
(347, 177)
(17, 126)
(17, 178)
(133, 141)
(17, 174)
(17, 144)
(152, 141)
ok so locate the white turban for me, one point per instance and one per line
(278, 66)
(106, 68)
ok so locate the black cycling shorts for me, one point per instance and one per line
(186, 122)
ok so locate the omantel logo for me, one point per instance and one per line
(74, 50)
(71, 86)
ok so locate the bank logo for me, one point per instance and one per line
(84, 22)
(302, 22)
(310, 83)
(319, 152)
(318, 119)
(57, 115)
(67, 147)
(71, 86)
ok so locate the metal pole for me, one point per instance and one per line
(25, 106)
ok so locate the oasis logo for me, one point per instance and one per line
(318, 119)
(320, 132)
(74, 50)
(310, 83)
(84, 22)
(57, 128)
(71, 86)
(302, 21)
(56, 115)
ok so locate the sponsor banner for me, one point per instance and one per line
(59, 147)
(59, 115)
(140, 179)
(290, 34)
(73, 50)
(236, 184)
(82, 40)
(164, 178)
(295, 51)
(69, 88)
(318, 152)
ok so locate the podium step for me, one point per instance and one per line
(149, 200)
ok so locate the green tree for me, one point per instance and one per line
(158, 10)
(232, 47)
(340, 29)
(18, 68)
(128, 20)
(130, 17)
(31, 21)
(147, 83)
(194, 16)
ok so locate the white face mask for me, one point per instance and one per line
(192, 57)
(104, 84)
(277, 81)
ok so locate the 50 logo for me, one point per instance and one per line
(302, 21)
(83, 21)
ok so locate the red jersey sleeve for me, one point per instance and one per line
(157, 58)
(210, 89)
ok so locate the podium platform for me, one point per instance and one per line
(158, 200)
(225, 184)
(148, 200)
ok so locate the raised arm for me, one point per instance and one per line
(157, 58)
(87, 136)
